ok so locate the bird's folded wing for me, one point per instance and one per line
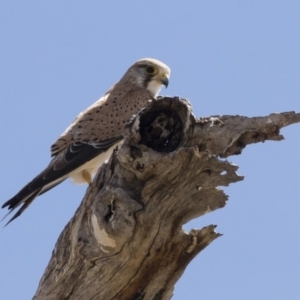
(74, 156)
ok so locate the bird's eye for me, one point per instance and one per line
(150, 70)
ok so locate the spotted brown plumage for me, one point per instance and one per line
(91, 138)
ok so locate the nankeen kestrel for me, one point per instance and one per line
(89, 141)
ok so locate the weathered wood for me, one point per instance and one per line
(126, 239)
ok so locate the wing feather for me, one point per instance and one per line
(57, 171)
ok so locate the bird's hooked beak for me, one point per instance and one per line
(164, 79)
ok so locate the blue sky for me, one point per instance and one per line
(227, 57)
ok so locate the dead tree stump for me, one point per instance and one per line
(126, 239)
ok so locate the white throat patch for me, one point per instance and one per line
(154, 88)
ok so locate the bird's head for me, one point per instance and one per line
(149, 74)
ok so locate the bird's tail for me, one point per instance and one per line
(13, 203)
(26, 195)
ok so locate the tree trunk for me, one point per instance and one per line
(126, 239)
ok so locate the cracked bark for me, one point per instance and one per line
(126, 239)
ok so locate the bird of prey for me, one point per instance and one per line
(89, 141)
